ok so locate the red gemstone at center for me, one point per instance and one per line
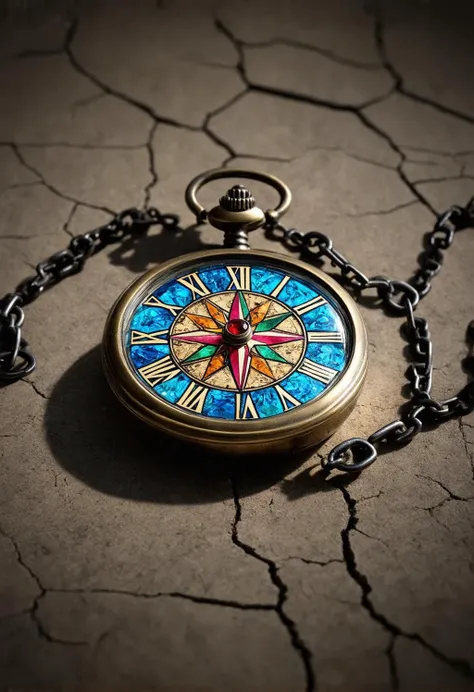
(237, 327)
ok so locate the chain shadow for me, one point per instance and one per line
(95, 439)
(139, 251)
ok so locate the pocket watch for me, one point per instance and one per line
(234, 349)
(245, 351)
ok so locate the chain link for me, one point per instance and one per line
(16, 361)
(399, 298)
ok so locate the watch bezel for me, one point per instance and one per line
(304, 425)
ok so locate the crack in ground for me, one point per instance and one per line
(18, 237)
(320, 563)
(43, 591)
(72, 145)
(82, 103)
(399, 82)
(364, 118)
(444, 179)
(240, 66)
(297, 642)
(16, 186)
(69, 219)
(215, 137)
(157, 118)
(370, 497)
(35, 388)
(255, 157)
(381, 212)
(470, 455)
(324, 52)
(205, 127)
(222, 602)
(48, 52)
(283, 93)
(297, 157)
(450, 495)
(357, 111)
(42, 180)
(33, 611)
(392, 663)
(151, 166)
(459, 665)
(438, 152)
(144, 107)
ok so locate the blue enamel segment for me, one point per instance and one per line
(220, 403)
(295, 292)
(148, 319)
(265, 280)
(302, 387)
(332, 355)
(142, 355)
(216, 278)
(174, 293)
(174, 388)
(322, 319)
(267, 402)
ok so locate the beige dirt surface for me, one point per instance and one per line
(129, 562)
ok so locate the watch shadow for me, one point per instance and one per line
(138, 252)
(94, 438)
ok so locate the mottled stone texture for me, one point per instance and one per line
(128, 561)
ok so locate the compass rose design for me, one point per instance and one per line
(239, 339)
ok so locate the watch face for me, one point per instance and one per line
(243, 340)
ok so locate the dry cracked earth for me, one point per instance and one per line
(131, 562)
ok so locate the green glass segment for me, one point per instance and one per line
(269, 354)
(272, 322)
(243, 305)
(203, 352)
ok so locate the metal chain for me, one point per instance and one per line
(400, 298)
(16, 360)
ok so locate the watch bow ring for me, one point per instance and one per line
(234, 349)
(238, 203)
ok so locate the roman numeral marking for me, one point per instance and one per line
(288, 401)
(318, 372)
(143, 338)
(195, 285)
(240, 278)
(155, 303)
(310, 305)
(324, 337)
(159, 371)
(249, 407)
(194, 397)
(280, 287)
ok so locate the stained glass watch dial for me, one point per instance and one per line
(237, 341)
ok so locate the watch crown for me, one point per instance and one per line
(238, 198)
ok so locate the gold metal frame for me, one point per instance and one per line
(300, 428)
(219, 173)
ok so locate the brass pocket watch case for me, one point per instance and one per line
(240, 351)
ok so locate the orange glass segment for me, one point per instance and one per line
(261, 365)
(216, 312)
(206, 323)
(216, 363)
(259, 312)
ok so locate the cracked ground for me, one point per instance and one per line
(131, 562)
